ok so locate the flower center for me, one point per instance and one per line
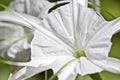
(79, 53)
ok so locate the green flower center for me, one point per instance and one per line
(79, 53)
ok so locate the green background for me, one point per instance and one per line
(111, 6)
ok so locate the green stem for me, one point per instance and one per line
(6, 61)
(5, 7)
(46, 75)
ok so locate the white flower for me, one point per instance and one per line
(15, 37)
(38, 8)
(11, 39)
(71, 40)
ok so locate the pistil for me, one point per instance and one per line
(79, 53)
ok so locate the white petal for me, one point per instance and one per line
(88, 23)
(83, 2)
(18, 5)
(111, 65)
(11, 25)
(10, 76)
(12, 45)
(27, 72)
(36, 62)
(74, 6)
(100, 43)
(43, 45)
(44, 61)
(11, 17)
(60, 24)
(68, 73)
(68, 70)
(37, 8)
(40, 8)
(18, 46)
(16, 75)
(57, 64)
(72, 76)
(85, 67)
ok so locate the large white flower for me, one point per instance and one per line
(71, 40)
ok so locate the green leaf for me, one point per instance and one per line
(95, 76)
(115, 50)
(4, 71)
(86, 77)
(109, 76)
(111, 6)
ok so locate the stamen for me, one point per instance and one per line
(79, 53)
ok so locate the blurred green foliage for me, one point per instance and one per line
(4, 71)
(113, 7)
(5, 2)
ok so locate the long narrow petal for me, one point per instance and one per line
(111, 65)
(27, 72)
(11, 17)
(36, 61)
